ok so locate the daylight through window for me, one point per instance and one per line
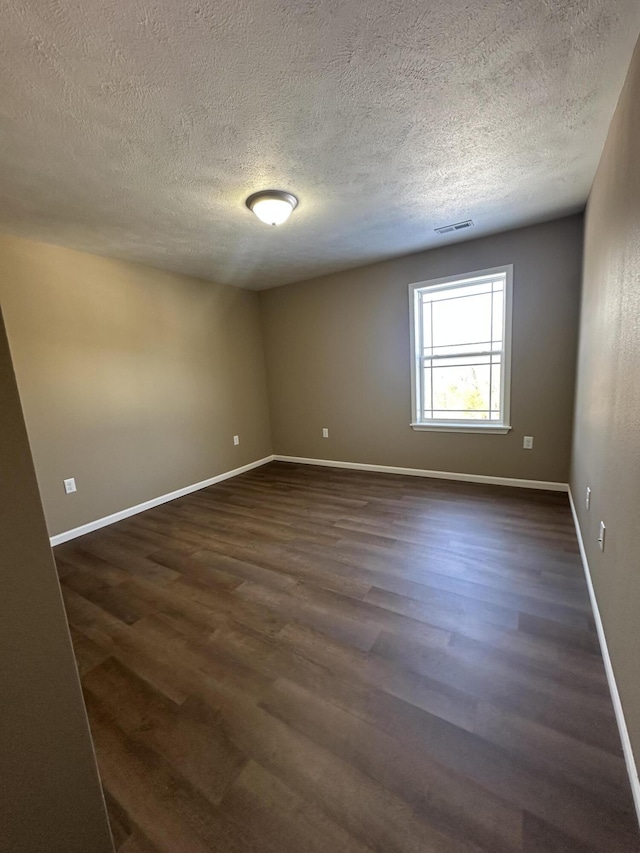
(461, 345)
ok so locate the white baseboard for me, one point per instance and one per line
(627, 749)
(59, 538)
(438, 475)
(134, 510)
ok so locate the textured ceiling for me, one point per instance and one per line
(136, 128)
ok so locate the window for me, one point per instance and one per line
(461, 352)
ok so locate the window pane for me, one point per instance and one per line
(426, 389)
(446, 414)
(459, 321)
(426, 328)
(461, 349)
(448, 293)
(461, 361)
(461, 388)
(498, 308)
(495, 387)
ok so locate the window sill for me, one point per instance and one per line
(491, 429)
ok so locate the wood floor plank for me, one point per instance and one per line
(122, 827)
(369, 811)
(450, 801)
(138, 843)
(88, 654)
(578, 674)
(330, 669)
(266, 806)
(339, 661)
(371, 670)
(347, 627)
(572, 635)
(541, 837)
(587, 716)
(193, 745)
(171, 812)
(277, 568)
(553, 752)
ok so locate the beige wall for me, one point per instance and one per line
(338, 356)
(132, 380)
(51, 798)
(606, 453)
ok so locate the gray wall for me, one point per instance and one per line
(337, 353)
(132, 380)
(606, 453)
(50, 796)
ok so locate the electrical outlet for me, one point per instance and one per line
(601, 534)
(325, 432)
(528, 442)
(236, 439)
(70, 485)
(587, 498)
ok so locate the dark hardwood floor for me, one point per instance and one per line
(313, 660)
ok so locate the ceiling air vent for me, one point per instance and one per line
(458, 226)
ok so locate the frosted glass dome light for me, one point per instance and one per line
(273, 207)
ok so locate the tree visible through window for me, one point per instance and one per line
(461, 334)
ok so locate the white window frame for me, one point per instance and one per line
(501, 427)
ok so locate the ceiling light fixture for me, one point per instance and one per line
(273, 207)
